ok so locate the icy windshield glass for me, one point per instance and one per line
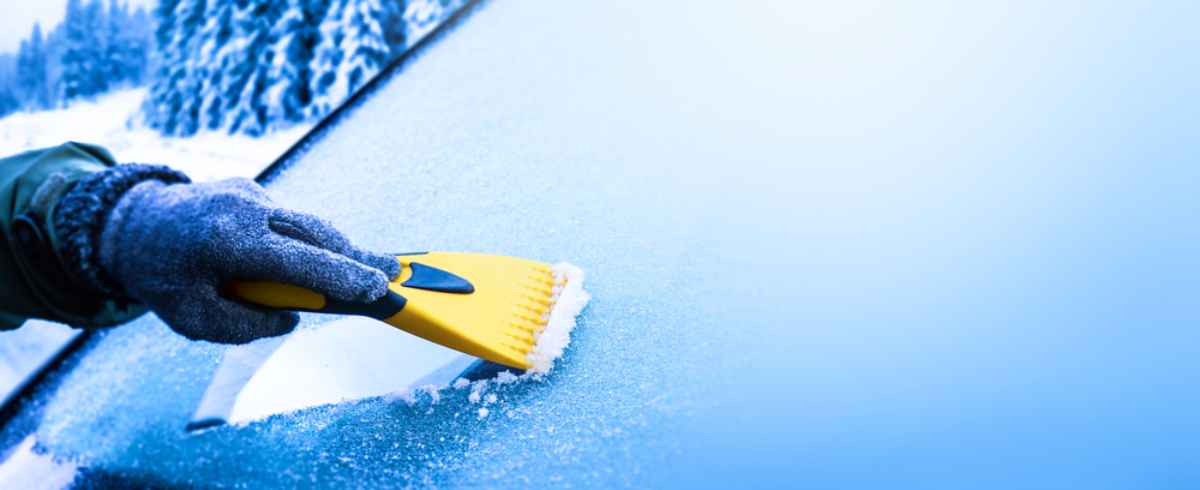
(828, 246)
(216, 89)
(24, 351)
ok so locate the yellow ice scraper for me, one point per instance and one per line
(489, 306)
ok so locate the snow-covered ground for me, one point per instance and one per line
(111, 121)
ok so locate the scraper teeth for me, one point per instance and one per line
(530, 329)
(535, 309)
(530, 320)
(531, 311)
(524, 338)
(541, 300)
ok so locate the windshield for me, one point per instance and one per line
(842, 261)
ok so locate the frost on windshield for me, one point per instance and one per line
(24, 351)
(831, 245)
(474, 148)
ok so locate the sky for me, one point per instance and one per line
(17, 18)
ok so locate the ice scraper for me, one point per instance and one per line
(489, 306)
(512, 311)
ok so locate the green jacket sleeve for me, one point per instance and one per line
(34, 283)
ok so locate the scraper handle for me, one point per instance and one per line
(288, 297)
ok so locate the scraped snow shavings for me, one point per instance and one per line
(434, 393)
(569, 301)
(409, 397)
(477, 389)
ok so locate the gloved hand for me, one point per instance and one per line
(174, 246)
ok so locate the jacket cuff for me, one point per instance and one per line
(82, 213)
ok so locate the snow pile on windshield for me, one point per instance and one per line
(569, 301)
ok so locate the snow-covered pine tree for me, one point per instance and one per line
(220, 50)
(44, 57)
(171, 107)
(164, 99)
(9, 102)
(139, 38)
(357, 40)
(24, 78)
(249, 66)
(422, 16)
(31, 71)
(124, 44)
(79, 58)
(54, 46)
(326, 58)
(190, 18)
(201, 64)
(97, 29)
(395, 26)
(115, 63)
(296, 35)
(23, 55)
(10, 87)
(250, 77)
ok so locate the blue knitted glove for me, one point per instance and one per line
(173, 246)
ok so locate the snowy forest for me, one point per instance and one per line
(97, 47)
(248, 65)
(238, 66)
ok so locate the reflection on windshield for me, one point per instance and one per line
(30, 467)
(347, 359)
